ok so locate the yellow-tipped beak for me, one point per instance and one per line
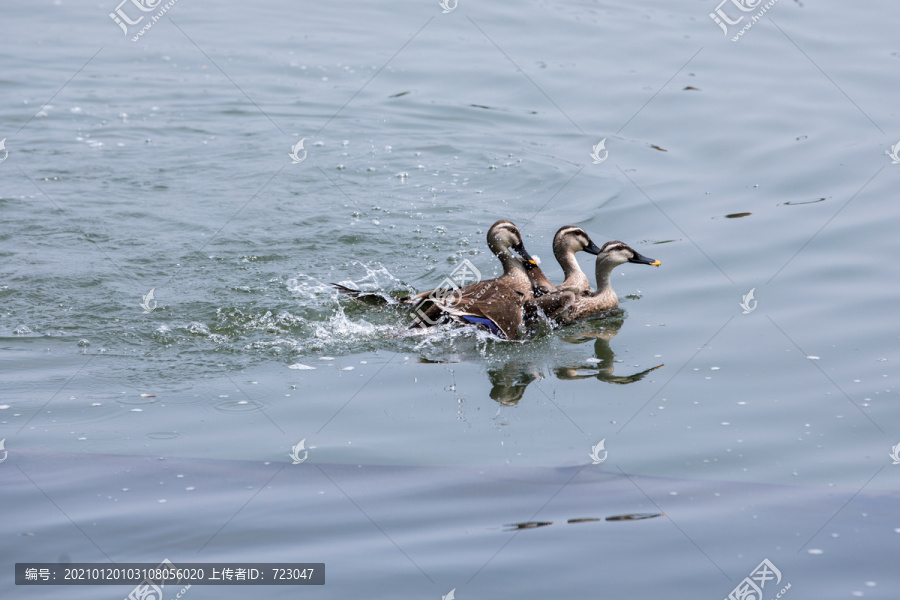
(655, 263)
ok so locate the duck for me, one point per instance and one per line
(568, 240)
(604, 298)
(554, 301)
(497, 304)
(512, 265)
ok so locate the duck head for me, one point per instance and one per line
(571, 239)
(618, 253)
(504, 235)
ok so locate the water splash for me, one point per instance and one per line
(310, 289)
(340, 331)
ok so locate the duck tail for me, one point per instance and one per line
(346, 290)
(373, 298)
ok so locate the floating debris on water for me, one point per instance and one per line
(797, 203)
(635, 517)
(528, 525)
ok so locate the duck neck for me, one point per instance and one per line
(512, 266)
(570, 267)
(603, 271)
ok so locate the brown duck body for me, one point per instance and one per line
(505, 303)
(500, 302)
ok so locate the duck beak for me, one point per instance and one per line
(520, 248)
(592, 248)
(640, 259)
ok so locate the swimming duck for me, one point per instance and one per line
(495, 303)
(500, 304)
(567, 241)
(604, 299)
(501, 236)
(554, 301)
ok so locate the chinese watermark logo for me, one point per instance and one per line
(150, 590)
(144, 6)
(747, 299)
(751, 588)
(448, 293)
(296, 450)
(6, 152)
(145, 303)
(595, 153)
(295, 152)
(894, 153)
(595, 452)
(745, 6)
(449, 6)
(895, 454)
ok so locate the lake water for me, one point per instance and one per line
(734, 428)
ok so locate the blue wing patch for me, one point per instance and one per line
(486, 322)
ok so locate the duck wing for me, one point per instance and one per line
(554, 305)
(499, 304)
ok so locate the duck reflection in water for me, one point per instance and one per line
(509, 382)
(601, 331)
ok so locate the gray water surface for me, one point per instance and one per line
(163, 165)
